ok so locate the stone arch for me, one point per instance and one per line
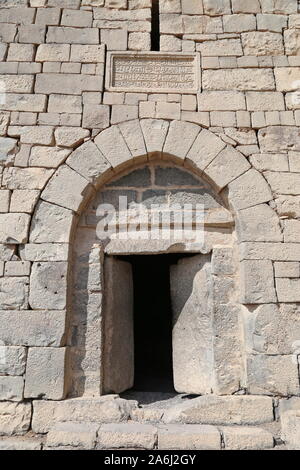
(121, 146)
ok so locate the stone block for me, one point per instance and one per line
(271, 22)
(222, 7)
(49, 157)
(168, 110)
(260, 43)
(15, 418)
(188, 437)
(226, 167)
(221, 48)
(45, 252)
(112, 145)
(248, 190)
(45, 373)
(90, 54)
(238, 80)
(53, 53)
(287, 78)
(65, 104)
(291, 231)
(139, 41)
(292, 42)
(192, 7)
(288, 290)
(209, 409)
(70, 136)
(283, 183)
(14, 228)
(33, 33)
(247, 438)
(4, 200)
(272, 375)
(77, 18)
(48, 285)
(29, 328)
(7, 32)
(105, 409)
(11, 388)
(115, 39)
(239, 23)
(258, 224)
(51, 224)
(13, 360)
(76, 435)
(221, 101)
(205, 148)
(121, 113)
(88, 161)
(67, 83)
(132, 133)
(279, 139)
(25, 178)
(68, 35)
(17, 83)
(20, 444)
(257, 279)
(18, 15)
(47, 16)
(287, 269)
(270, 161)
(33, 134)
(24, 102)
(17, 268)
(267, 101)
(127, 436)
(180, 138)
(20, 53)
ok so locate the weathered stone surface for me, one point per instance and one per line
(45, 373)
(257, 282)
(11, 388)
(66, 188)
(288, 290)
(78, 435)
(272, 329)
(14, 228)
(192, 324)
(122, 436)
(155, 132)
(23, 102)
(180, 138)
(30, 328)
(279, 139)
(221, 101)
(290, 422)
(88, 161)
(283, 183)
(287, 79)
(272, 375)
(258, 223)
(248, 190)
(238, 79)
(188, 437)
(25, 178)
(51, 224)
(106, 409)
(23, 200)
(14, 418)
(112, 145)
(222, 47)
(49, 157)
(97, 116)
(262, 43)
(13, 293)
(227, 166)
(17, 83)
(20, 444)
(132, 133)
(292, 41)
(222, 410)
(87, 54)
(70, 136)
(247, 438)
(48, 285)
(205, 148)
(12, 360)
(45, 252)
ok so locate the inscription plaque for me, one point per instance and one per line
(153, 72)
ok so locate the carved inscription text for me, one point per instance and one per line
(153, 72)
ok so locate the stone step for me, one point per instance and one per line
(132, 435)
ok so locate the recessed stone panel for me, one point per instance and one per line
(153, 72)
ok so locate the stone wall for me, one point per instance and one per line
(63, 135)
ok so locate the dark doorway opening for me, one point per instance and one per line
(152, 322)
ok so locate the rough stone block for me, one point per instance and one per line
(70, 136)
(11, 388)
(105, 409)
(33, 33)
(257, 282)
(67, 35)
(205, 148)
(53, 53)
(20, 53)
(96, 116)
(87, 54)
(288, 290)
(25, 178)
(77, 18)
(238, 79)
(12, 360)
(247, 438)
(15, 418)
(132, 133)
(21, 102)
(226, 167)
(48, 285)
(212, 8)
(17, 83)
(287, 78)
(49, 157)
(112, 145)
(14, 228)
(45, 252)
(29, 328)
(221, 48)
(267, 101)
(258, 223)
(180, 138)
(221, 101)
(279, 139)
(88, 161)
(45, 373)
(188, 437)
(122, 113)
(130, 436)
(248, 190)
(260, 43)
(65, 104)
(272, 375)
(76, 435)
(217, 410)
(115, 39)
(51, 224)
